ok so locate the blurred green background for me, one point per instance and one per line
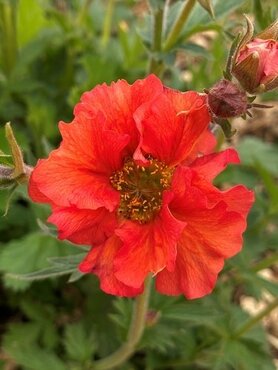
(51, 51)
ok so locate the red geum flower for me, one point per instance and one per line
(132, 179)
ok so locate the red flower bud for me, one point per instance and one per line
(256, 62)
(226, 100)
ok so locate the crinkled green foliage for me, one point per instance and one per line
(53, 324)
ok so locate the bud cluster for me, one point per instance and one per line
(253, 62)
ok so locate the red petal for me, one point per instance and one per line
(205, 145)
(99, 261)
(84, 226)
(184, 101)
(210, 236)
(118, 102)
(147, 248)
(35, 193)
(209, 166)
(170, 135)
(238, 198)
(215, 222)
(78, 172)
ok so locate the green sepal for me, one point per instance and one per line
(251, 98)
(226, 127)
(207, 5)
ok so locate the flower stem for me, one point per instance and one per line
(83, 12)
(155, 64)
(178, 25)
(266, 262)
(9, 35)
(134, 335)
(107, 23)
(255, 319)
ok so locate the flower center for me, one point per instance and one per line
(141, 189)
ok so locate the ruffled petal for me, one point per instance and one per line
(211, 235)
(118, 102)
(99, 261)
(78, 172)
(238, 198)
(209, 166)
(147, 248)
(84, 226)
(170, 135)
(213, 232)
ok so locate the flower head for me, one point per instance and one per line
(256, 62)
(132, 179)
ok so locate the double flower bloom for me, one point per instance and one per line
(132, 178)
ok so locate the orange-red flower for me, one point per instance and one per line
(132, 179)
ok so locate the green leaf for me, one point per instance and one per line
(68, 261)
(43, 274)
(247, 355)
(199, 19)
(79, 345)
(270, 185)
(252, 150)
(192, 314)
(195, 49)
(29, 254)
(255, 284)
(24, 350)
(75, 275)
(35, 358)
(207, 5)
(30, 20)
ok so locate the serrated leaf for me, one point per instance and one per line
(23, 349)
(236, 354)
(192, 313)
(35, 358)
(30, 254)
(79, 345)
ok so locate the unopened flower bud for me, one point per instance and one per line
(256, 62)
(225, 99)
